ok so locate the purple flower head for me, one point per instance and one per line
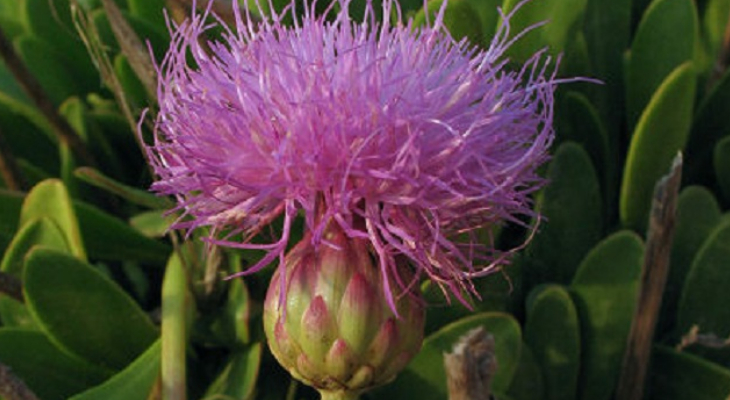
(399, 134)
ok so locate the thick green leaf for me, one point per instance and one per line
(83, 311)
(10, 21)
(697, 215)
(133, 195)
(145, 30)
(29, 146)
(565, 17)
(105, 236)
(572, 208)
(52, 74)
(605, 290)
(661, 132)
(9, 85)
(441, 310)
(410, 7)
(238, 378)
(499, 292)
(5, 239)
(110, 125)
(149, 10)
(528, 382)
(683, 376)
(553, 334)
(134, 382)
(576, 62)
(109, 238)
(460, 19)
(27, 119)
(710, 125)
(153, 224)
(140, 286)
(11, 8)
(714, 22)
(74, 110)
(40, 232)
(607, 31)
(721, 159)
(639, 7)
(68, 165)
(424, 378)
(10, 205)
(133, 89)
(579, 122)
(77, 114)
(705, 298)
(236, 320)
(488, 13)
(32, 173)
(48, 371)
(50, 199)
(51, 22)
(664, 40)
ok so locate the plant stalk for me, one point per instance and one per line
(653, 280)
(339, 395)
(174, 335)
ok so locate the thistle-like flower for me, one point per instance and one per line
(395, 143)
(399, 134)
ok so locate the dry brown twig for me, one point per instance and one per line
(97, 51)
(653, 280)
(471, 365)
(709, 340)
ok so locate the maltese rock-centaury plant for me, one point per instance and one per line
(395, 142)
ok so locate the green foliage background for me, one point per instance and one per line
(111, 312)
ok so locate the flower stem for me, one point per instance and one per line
(174, 341)
(339, 395)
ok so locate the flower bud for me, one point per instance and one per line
(335, 329)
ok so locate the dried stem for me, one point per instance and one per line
(653, 280)
(471, 366)
(11, 286)
(709, 340)
(97, 52)
(60, 127)
(12, 388)
(132, 47)
(9, 167)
